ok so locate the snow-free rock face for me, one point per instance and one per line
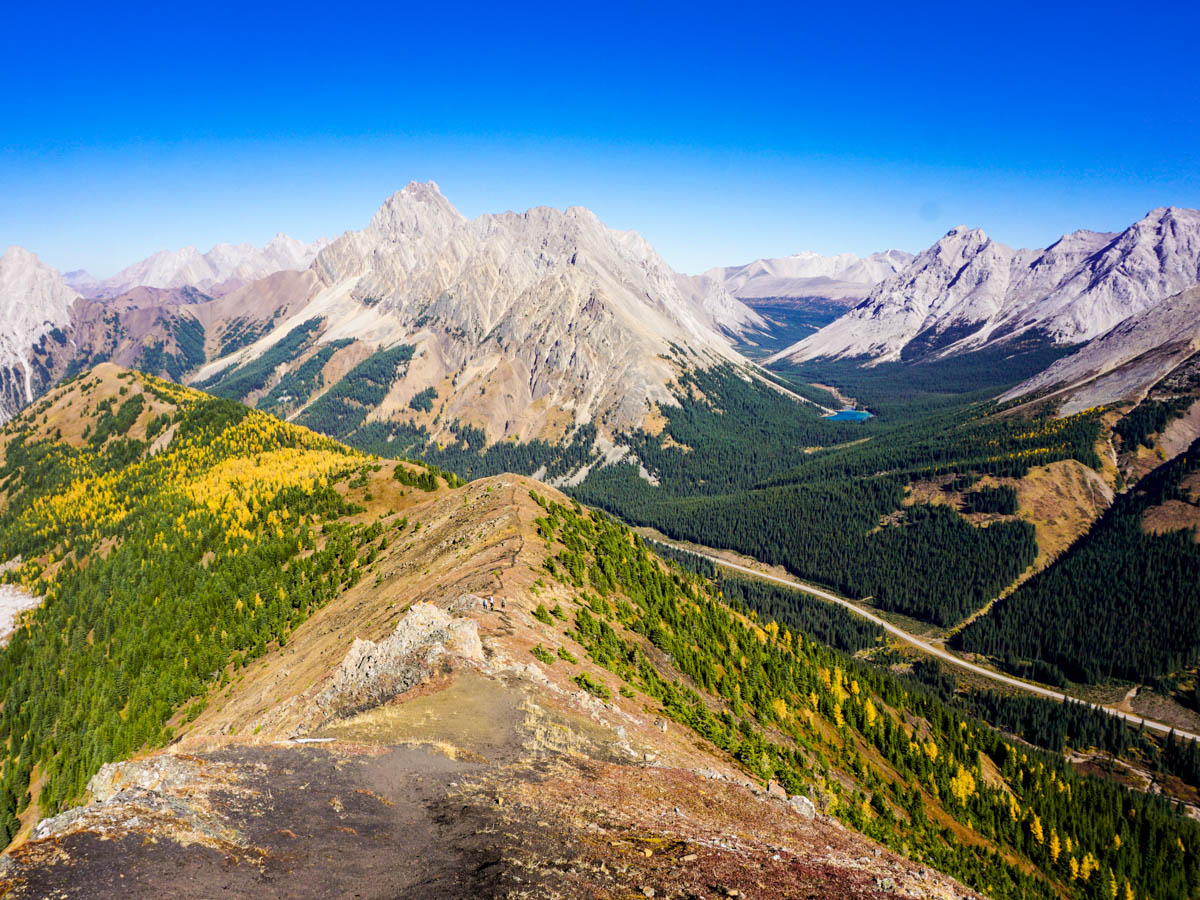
(844, 277)
(222, 269)
(35, 305)
(724, 311)
(530, 323)
(1127, 360)
(968, 290)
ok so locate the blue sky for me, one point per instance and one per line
(720, 133)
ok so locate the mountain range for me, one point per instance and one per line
(221, 270)
(524, 325)
(842, 279)
(249, 631)
(528, 326)
(968, 291)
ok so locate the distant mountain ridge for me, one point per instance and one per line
(222, 269)
(843, 277)
(1128, 359)
(968, 291)
(49, 330)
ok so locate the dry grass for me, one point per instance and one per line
(1173, 515)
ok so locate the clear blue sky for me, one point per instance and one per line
(720, 133)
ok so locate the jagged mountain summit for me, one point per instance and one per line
(221, 270)
(35, 305)
(1128, 359)
(968, 291)
(524, 325)
(845, 277)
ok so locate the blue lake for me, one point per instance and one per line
(849, 415)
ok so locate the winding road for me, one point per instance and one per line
(926, 647)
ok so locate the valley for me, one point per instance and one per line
(938, 652)
(600, 452)
(436, 715)
(255, 529)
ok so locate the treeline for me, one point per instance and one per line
(736, 430)
(242, 381)
(344, 407)
(1148, 418)
(1120, 603)
(242, 332)
(187, 333)
(296, 386)
(469, 455)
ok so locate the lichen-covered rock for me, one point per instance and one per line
(803, 806)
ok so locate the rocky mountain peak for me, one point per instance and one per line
(968, 290)
(567, 320)
(961, 241)
(28, 283)
(417, 209)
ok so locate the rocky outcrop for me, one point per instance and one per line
(1126, 361)
(374, 673)
(167, 794)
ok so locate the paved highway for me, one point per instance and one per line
(926, 647)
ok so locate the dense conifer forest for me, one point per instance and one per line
(896, 390)
(342, 409)
(297, 386)
(763, 475)
(164, 569)
(1120, 603)
(815, 719)
(1001, 499)
(238, 382)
